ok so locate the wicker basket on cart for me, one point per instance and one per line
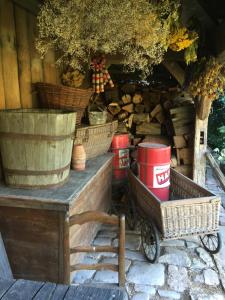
(191, 210)
(64, 97)
(96, 139)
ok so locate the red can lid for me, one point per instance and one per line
(120, 141)
(152, 153)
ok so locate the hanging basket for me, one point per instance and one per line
(64, 97)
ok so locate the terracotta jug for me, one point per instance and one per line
(78, 157)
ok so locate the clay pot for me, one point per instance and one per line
(78, 157)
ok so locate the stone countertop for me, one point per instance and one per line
(60, 195)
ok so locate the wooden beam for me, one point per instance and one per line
(93, 216)
(204, 108)
(200, 148)
(93, 249)
(96, 267)
(208, 10)
(192, 8)
(216, 169)
(30, 5)
(218, 36)
(174, 56)
(175, 70)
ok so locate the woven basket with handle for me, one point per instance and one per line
(64, 97)
(96, 139)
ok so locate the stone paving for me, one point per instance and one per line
(184, 269)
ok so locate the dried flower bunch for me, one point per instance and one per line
(136, 29)
(209, 80)
(190, 54)
(181, 38)
(73, 78)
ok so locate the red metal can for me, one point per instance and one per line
(120, 144)
(154, 168)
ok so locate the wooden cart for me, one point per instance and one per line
(192, 210)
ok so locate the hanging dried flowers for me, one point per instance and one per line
(73, 78)
(209, 80)
(190, 54)
(79, 29)
(181, 39)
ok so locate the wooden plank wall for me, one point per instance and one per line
(20, 64)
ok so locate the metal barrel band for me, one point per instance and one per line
(39, 137)
(35, 173)
(127, 148)
(122, 168)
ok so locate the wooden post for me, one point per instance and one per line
(204, 107)
(121, 261)
(64, 266)
(200, 148)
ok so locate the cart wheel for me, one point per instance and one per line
(150, 241)
(211, 242)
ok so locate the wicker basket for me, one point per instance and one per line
(64, 97)
(192, 209)
(96, 139)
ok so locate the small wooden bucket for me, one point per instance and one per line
(36, 146)
(97, 117)
(78, 158)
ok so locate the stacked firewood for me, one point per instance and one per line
(165, 117)
(182, 119)
(139, 112)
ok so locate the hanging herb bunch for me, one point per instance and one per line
(183, 39)
(73, 78)
(208, 80)
(137, 30)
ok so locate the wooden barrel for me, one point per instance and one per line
(36, 146)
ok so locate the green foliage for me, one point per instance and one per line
(80, 29)
(222, 156)
(216, 136)
(190, 54)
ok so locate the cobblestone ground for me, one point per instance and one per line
(184, 270)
